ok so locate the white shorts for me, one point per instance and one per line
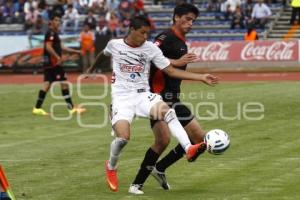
(127, 106)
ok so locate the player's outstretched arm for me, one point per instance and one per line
(100, 57)
(184, 75)
(69, 50)
(184, 60)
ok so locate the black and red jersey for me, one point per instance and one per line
(173, 46)
(51, 37)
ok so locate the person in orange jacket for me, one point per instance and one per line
(251, 34)
(87, 40)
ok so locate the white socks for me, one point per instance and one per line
(177, 130)
(115, 149)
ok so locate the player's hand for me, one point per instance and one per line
(210, 79)
(59, 60)
(186, 59)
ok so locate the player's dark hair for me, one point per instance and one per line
(52, 17)
(139, 21)
(185, 8)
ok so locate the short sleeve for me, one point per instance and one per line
(49, 37)
(160, 40)
(108, 49)
(159, 59)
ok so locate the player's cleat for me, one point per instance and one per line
(111, 178)
(39, 111)
(195, 150)
(161, 178)
(135, 189)
(78, 110)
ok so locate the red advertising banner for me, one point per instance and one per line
(246, 51)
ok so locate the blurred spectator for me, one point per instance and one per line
(43, 11)
(30, 18)
(295, 10)
(19, 11)
(113, 24)
(138, 7)
(80, 5)
(125, 9)
(229, 7)
(30, 4)
(87, 40)
(238, 18)
(70, 17)
(260, 14)
(100, 7)
(102, 28)
(251, 34)
(8, 12)
(112, 4)
(90, 20)
(122, 30)
(58, 8)
(247, 8)
(213, 5)
(38, 28)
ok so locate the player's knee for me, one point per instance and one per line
(121, 141)
(170, 115)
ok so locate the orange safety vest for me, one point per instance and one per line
(250, 37)
(87, 41)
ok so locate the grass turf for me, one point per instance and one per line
(48, 159)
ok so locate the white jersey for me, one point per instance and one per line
(131, 65)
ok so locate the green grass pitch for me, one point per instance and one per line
(47, 159)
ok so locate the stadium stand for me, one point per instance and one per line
(210, 26)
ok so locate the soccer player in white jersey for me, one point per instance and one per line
(131, 96)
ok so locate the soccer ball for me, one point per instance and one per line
(217, 141)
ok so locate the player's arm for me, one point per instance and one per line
(100, 57)
(51, 51)
(184, 75)
(184, 60)
(69, 50)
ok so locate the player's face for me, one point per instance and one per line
(185, 22)
(56, 23)
(140, 35)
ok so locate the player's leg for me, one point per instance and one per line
(162, 111)
(196, 135)
(122, 115)
(37, 110)
(162, 139)
(122, 133)
(61, 76)
(65, 91)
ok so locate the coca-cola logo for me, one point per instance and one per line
(275, 51)
(131, 68)
(215, 51)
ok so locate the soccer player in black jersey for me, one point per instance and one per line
(173, 45)
(53, 70)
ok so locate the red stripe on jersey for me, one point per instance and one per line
(158, 82)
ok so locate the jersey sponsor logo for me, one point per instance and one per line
(129, 68)
(132, 76)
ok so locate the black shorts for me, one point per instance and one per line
(183, 113)
(54, 74)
